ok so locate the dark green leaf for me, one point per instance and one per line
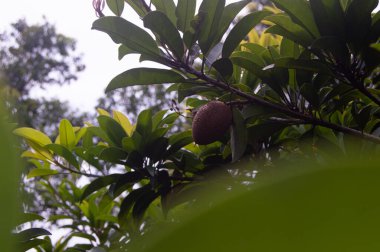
(262, 131)
(301, 64)
(238, 136)
(179, 140)
(124, 50)
(209, 11)
(100, 183)
(300, 12)
(240, 30)
(138, 7)
(358, 21)
(29, 217)
(130, 199)
(329, 17)
(26, 246)
(142, 205)
(112, 128)
(168, 7)
(63, 152)
(116, 6)
(160, 24)
(123, 32)
(185, 13)
(31, 233)
(224, 67)
(228, 15)
(113, 155)
(289, 48)
(144, 123)
(126, 181)
(297, 32)
(144, 76)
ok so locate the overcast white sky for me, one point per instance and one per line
(74, 18)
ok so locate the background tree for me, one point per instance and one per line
(37, 56)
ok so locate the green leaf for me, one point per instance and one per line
(113, 155)
(33, 135)
(144, 122)
(185, 13)
(300, 12)
(224, 67)
(289, 48)
(125, 182)
(358, 21)
(112, 128)
(62, 151)
(142, 204)
(155, 21)
(329, 17)
(168, 7)
(26, 246)
(124, 50)
(116, 6)
(240, 30)
(66, 134)
(228, 15)
(31, 233)
(144, 76)
(238, 136)
(29, 217)
(123, 32)
(179, 140)
(130, 200)
(138, 7)
(297, 32)
(40, 173)
(209, 12)
(123, 121)
(99, 183)
(302, 64)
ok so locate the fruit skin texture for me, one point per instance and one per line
(211, 122)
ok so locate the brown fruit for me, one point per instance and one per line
(211, 122)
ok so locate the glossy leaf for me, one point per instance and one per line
(144, 76)
(185, 13)
(113, 129)
(238, 136)
(125, 181)
(29, 217)
(123, 121)
(241, 30)
(155, 21)
(209, 12)
(40, 173)
(116, 6)
(123, 32)
(99, 183)
(66, 134)
(130, 200)
(300, 12)
(33, 135)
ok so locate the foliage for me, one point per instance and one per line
(37, 56)
(318, 86)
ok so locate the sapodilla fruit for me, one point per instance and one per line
(210, 122)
